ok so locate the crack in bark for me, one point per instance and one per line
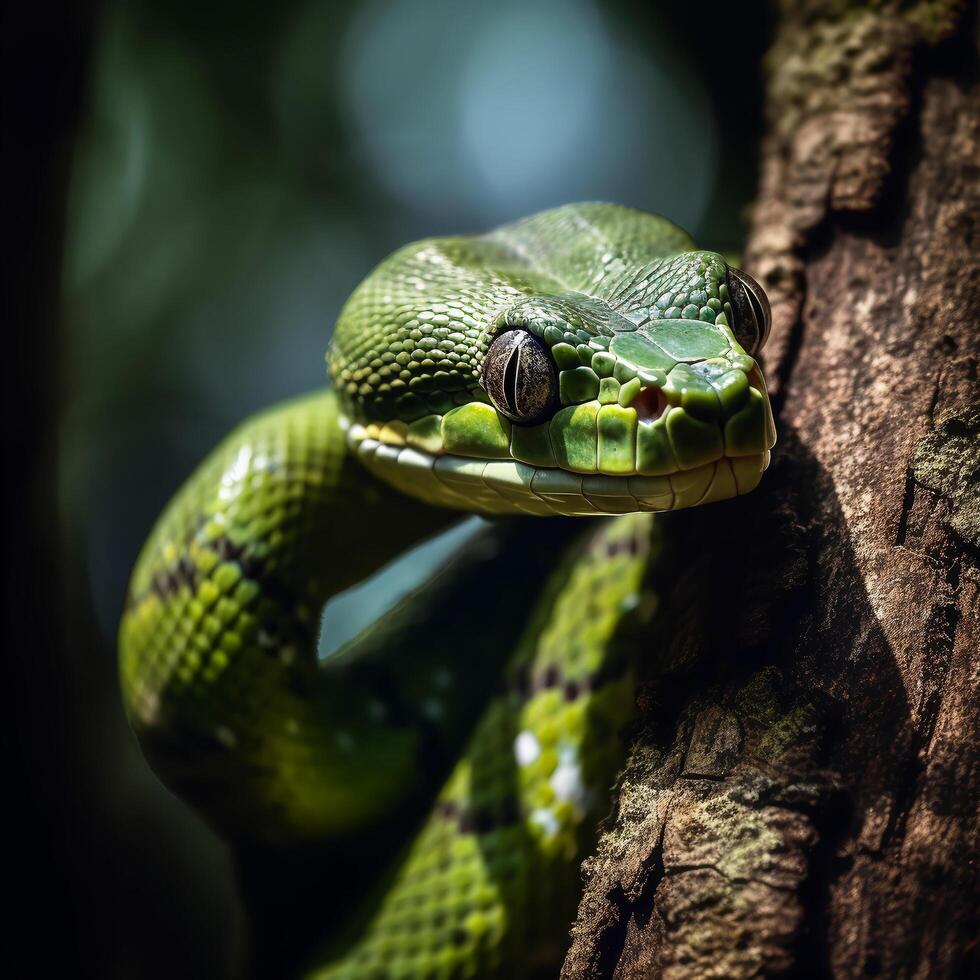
(613, 939)
(677, 870)
(827, 863)
(908, 499)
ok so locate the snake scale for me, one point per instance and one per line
(588, 360)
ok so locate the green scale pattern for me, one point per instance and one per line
(493, 699)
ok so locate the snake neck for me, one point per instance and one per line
(218, 643)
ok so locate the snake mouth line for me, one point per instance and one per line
(510, 486)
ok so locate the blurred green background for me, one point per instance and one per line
(239, 168)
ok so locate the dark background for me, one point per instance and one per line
(191, 195)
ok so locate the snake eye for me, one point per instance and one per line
(750, 309)
(519, 376)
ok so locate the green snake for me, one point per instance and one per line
(588, 360)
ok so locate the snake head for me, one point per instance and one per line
(610, 369)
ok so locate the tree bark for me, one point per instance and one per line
(802, 796)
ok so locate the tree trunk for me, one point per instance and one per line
(802, 797)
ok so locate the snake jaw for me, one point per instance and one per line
(608, 480)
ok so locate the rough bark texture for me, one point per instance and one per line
(803, 796)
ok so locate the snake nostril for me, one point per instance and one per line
(649, 404)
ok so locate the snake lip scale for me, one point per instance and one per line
(510, 486)
(587, 361)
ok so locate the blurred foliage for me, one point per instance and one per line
(240, 169)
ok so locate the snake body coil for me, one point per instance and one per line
(585, 361)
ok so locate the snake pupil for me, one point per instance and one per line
(510, 379)
(750, 308)
(519, 376)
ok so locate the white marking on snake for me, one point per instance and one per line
(232, 477)
(526, 748)
(147, 703)
(567, 781)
